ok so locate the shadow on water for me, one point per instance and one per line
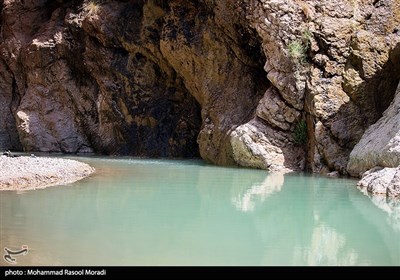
(161, 212)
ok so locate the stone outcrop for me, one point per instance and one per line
(336, 62)
(380, 144)
(382, 181)
(123, 77)
(88, 79)
(227, 80)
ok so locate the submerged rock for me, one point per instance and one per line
(334, 174)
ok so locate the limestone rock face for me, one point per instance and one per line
(121, 77)
(220, 61)
(227, 80)
(380, 144)
(257, 145)
(337, 62)
(89, 76)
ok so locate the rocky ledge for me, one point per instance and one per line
(28, 173)
(380, 180)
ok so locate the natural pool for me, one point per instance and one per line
(185, 212)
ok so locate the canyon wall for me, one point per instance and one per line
(277, 85)
(335, 61)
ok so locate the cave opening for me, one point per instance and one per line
(387, 81)
(160, 118)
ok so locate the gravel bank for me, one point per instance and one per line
(29, 173)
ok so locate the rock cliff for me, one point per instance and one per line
(380, 144)
(278, 85)
(335, 61)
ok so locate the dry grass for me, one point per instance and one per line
(91, 8)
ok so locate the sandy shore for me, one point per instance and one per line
(29, 173)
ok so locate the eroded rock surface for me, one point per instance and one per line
(227, 80)
(337, 62)
(380, 144)
(381, 181)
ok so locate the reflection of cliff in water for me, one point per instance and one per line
(259, 192)
(390, 205)
(381, 220)
(170, 212)
(318, 227)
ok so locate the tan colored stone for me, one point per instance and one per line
(273, 109)
(258, 145)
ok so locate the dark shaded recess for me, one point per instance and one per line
(15, 101)
(1, 15)
(204, 14)
(47, 9)
(187, 30)
(74, 55)
(120, 61)
(164, 118)
(75, 58)
(385, 82)
(250, 42)
(164, 4)
(379, 90)
(170, 30)
(172, 117)
(50, 7)
(129, 23)
(9, 140)
(176, 130)
(16, 98)
(153, 35)
(187, 21)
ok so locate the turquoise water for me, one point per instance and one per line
(164, 212)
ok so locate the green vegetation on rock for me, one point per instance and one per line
(298, 48)
(300, 133)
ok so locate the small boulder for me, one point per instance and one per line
(380, 180)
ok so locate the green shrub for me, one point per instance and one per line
(297, 51)
(299, 48)
(306, 38)
(300, 133)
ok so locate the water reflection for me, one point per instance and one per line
(304, 222)
(190, 213)
(258, 192)
(389, 205)
(328, 247)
